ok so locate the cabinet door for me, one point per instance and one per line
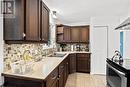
(55, 84)
(75, 31)
(61, 74)
(52, 78)
(14, 24)
(59, 34)
(32, 20)
(72, 63)
(66, 34)
(84, 36)
(45, 23)
(83, 62)
(67, 67)
(66, 72)
(61, 80)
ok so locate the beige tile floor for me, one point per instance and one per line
(85, 80)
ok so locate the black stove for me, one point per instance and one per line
(118, 73)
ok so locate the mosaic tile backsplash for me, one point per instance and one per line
(15, 52)
(73, 47)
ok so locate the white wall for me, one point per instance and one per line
(52, 29)
(126, 35)
(127, 44)
(127, 14)
(52, 23)
(1, 45)
(113, 35)
(52, 32)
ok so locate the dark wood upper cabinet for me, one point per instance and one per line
(75, 32)
(63, 34)
(30, 22)
(72, 34)
(14, 25)
(45, 23)
(66, 34)
(84, 34)
(59, 34)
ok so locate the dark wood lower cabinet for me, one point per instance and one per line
(82, 65)
(22, 82)
(57, 78)
(56, 83)
(52, 78)
(61, 74)
(66, 70)
(61, 79)
(83, 62)
(72, 63)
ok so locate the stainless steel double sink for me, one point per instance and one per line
(57, 55)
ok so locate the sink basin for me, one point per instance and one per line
(57, 55)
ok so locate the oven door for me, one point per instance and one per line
(115, 78)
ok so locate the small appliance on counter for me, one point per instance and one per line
(63, 47)
(78, 47)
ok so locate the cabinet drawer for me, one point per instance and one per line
(83, 55)
(72, 55)
(52, 77)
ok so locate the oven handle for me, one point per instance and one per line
(116, 70)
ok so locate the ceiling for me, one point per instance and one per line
(80, 11)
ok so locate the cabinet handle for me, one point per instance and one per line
(54, 77)
(59, 76)
(62, 67)
(67, 63)
(24, 35)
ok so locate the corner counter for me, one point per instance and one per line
(42, 69)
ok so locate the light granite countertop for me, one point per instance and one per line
(44, 67)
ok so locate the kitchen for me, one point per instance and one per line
(46, 44)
